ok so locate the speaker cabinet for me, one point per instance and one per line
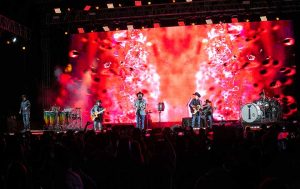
(186, 122)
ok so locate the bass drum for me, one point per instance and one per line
(251, 112)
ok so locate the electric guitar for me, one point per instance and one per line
(196, 109)
(96, 114)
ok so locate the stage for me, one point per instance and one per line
(186, 123)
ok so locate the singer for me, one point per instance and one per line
(140, 106)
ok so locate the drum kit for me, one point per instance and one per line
(267, 110)
(68, 118)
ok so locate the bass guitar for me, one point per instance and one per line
(96, 114)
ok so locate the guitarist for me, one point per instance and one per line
(196, 107)
(207, 113)
(140, 106)
(97, 115)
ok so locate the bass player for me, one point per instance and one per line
(207, 113)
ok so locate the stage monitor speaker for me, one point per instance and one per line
(186, 122)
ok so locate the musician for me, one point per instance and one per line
(207, 113)
(195, 107)
(25, 111)
(264, 104)
(140, 107)
(262, 97)
(97, 115)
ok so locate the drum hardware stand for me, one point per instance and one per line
(75, 119)
(57, 126)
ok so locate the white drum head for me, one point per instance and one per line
(251, 112)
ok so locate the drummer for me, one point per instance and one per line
(264, 103)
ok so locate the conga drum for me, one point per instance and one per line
(63, 118)
(47, 118)
(53, 118)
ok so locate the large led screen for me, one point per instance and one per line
(229, 64)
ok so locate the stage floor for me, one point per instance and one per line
(37, 127)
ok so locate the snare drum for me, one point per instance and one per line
(251, 113)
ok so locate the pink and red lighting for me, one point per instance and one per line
(229, 64)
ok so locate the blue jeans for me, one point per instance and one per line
(97, 125)
(194, 117)
(140, 121)
(210, 119)
(26, 120)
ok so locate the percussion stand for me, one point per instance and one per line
(264, 120)
(57, 125)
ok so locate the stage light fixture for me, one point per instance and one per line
(110, 5)
(105, 28)
(87, 8)
(181, 23)
(263, 18)
(130, 27)
(149, 3)
(156, 25)
(208, 21)
(234, 19)
(138, 3)
(57, 10)
(189, 1)
(92, 13)
(80, 30)
(246, 2)
(97, 7)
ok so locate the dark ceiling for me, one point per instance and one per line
(36, 12)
